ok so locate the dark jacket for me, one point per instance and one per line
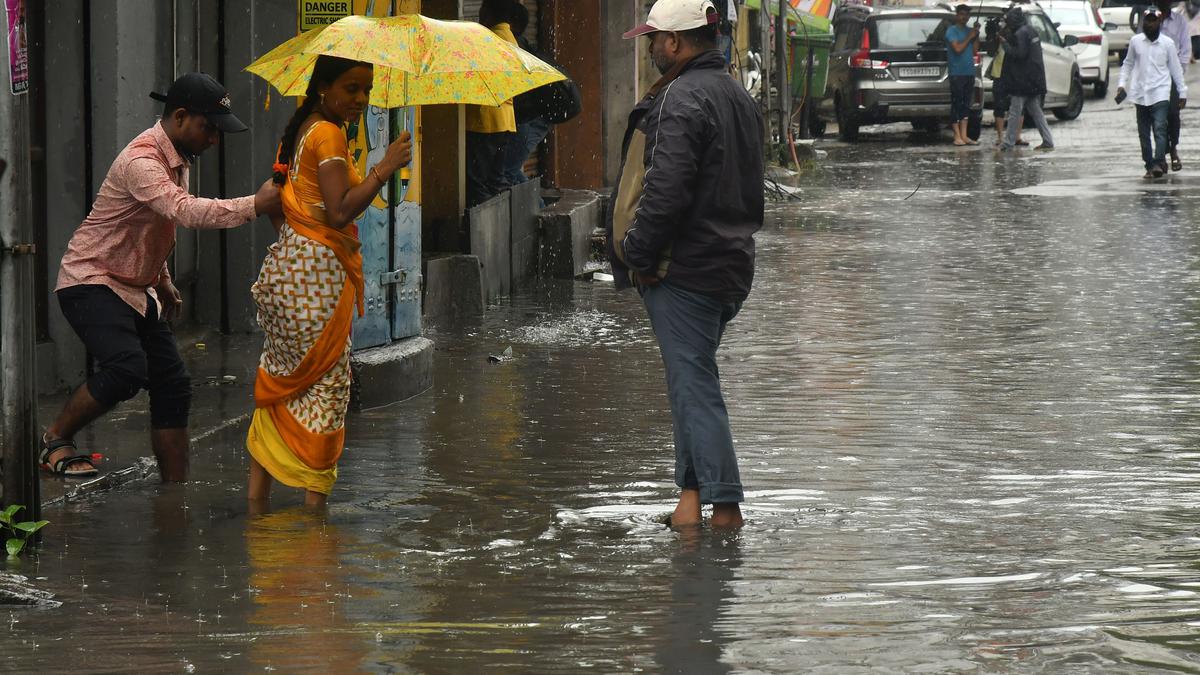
(690, 193)
(1024, 71)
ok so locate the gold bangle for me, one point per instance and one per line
(376, 174)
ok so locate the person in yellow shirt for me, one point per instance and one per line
(490, 128)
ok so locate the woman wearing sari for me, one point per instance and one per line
(310, 284)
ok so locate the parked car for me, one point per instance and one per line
(888, 65)
(1064, 83)
(1121, 13)
(1081, 19)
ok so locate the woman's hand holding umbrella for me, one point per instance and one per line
(398, 155)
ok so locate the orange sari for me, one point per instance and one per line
(306, 292)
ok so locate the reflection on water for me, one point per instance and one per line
(299, 589)
(967, 421)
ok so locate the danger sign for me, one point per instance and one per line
(318, 13)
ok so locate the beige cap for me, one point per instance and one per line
(675, 16)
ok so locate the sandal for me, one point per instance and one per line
(1177, 165)
(59, 468)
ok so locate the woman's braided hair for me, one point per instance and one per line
(326, 70)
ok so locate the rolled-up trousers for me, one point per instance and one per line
(689, 327)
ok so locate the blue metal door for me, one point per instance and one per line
(390, 231)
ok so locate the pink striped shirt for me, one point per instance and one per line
(125, 241)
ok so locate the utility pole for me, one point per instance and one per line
(18, 393)
(765, 40)
(785, 96)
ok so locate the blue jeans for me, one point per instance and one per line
(1153, 118)
(529, 135)
(689, 327)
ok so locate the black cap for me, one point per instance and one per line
(201, 94)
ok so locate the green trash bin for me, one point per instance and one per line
(801, 45)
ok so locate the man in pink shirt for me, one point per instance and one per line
(114, 287)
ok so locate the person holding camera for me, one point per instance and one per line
(1025, 77)
(1150, 68)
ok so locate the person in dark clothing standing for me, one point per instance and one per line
(1001, 101)
(1025, 78)
(490, 128)
(532, 126)
(688, 201)
(727, 13)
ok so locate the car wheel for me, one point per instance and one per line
(847, 126)
(1074, 101)
(1100, 88)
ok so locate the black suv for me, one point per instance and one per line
(889, 65)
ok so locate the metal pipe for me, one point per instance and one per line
(781, 71)
(765, 51)
(18, 393)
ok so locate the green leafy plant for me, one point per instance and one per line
(18, 532)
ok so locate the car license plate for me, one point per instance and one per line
(921, 71)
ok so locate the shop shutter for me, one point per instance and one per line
(471, 9)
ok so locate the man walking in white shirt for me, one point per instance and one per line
(1151, 66)
(1174, 25)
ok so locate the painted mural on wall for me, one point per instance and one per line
(390, 229)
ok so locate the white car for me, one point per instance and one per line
(1119, 13)
(1081, 19)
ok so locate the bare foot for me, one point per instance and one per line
(314, 500)
(726, 517)
(258, 507)
(687, 511)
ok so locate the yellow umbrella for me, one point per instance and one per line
(418, 61)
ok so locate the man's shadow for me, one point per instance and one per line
(702, 570)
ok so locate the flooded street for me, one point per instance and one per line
(965, 399)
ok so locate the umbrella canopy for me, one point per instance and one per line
(418, 61)
(812, 14)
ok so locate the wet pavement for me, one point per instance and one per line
(964, 394)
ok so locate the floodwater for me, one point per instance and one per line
(964, 394)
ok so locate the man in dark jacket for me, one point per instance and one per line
(684, 213)
(1025, 78)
